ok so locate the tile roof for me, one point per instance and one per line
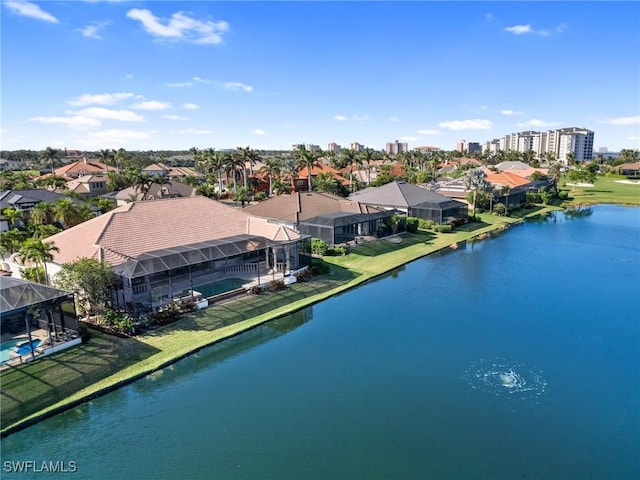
(301, 206)
(83, 167)
(505, 179)
(171, 189)
(322, 168)
(398, 195)
(140, 227)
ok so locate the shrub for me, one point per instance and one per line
(444, 228)
(318, 268)
(336, 251)
(255, 290)
(262, 195)
(167, 314)
(499, 209)
(563, 194)
(277, 285)
(425, 224)
(303, 276)
(534, 197)
(456, 222)
(84, 333)
(412, 224)
(318, 247)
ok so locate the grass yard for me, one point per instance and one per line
(105, 362)
(605, 190)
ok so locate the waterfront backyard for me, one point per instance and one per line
(105, 362)
(501, 359)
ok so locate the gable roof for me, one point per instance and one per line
(512, 165)
(398, 195)
(301, 206)
(17, 198)
(171, 189)
(83, 167)
(138, 228)
(320, 168)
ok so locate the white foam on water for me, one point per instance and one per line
(503, 378)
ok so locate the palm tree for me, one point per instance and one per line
(107, 156)
(41, 213)
(306, 159)
(53, 182)
(66, 213)
(121, 158)
(505, 190)
(233, 164)
(241, 195)
(281, 187)
(570, 158)
(44, 231)
(13, 215)
(50, 155)
(271, 168)
(351, 159)
(475, 181)
(218, 162)
(143, 183)
(39, 252)
(247, 155)
(11, 240)
(367, 156)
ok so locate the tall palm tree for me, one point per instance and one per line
(50, 155)
(107, 156)
(143, 183)
(66, 213)
(12, 240)
(248, 156)
(219, 162)
(39, 252)
(233, 164)
(121, 158)
(352, 160)
(306, 159)
(271, 168)
(475, 181)
(52, 182)
(367, 156)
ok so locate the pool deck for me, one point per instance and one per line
(43, 349)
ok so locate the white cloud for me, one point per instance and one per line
(409, 139)
(93, 30)
(258, 131)
(99, 99)
(236, 86)
(343, 118)
(429, 132)
(191, 106)
(623, 121)
(522, 29)
(394, 119)
(519, 29)
(76, 121)
(474, 124)
(174, 117)
(100, 113)
(193, 131)
(28, 9)
(510, 112)
(151, 105)
(188, 83)
(534, 122)
(180, 27)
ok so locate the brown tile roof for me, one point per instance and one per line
(505, 179)
(136, 228)
(322, 168)
(83, 168)
(302, 206)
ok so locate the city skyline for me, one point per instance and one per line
(94, 74)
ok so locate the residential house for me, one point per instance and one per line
(88, 186)
(629, 169)
(37, 313)
(25, 200)
(163, 248)
(508, 188)
(83, 167)
(171, 189)
(412, 201)
(300, 182)
(333, 219)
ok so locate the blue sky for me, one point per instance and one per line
(160, 75)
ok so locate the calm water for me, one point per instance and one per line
(515, 357)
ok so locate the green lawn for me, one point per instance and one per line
(605, 190)
(105, 362)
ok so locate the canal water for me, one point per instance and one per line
(515, 357)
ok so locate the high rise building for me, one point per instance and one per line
(356, 146)
(333, 147)
(396, 147)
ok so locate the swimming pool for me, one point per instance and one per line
(221, 286)
(7, 346)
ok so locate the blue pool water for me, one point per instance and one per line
(6, 347)
(515, 357)
(221, 286)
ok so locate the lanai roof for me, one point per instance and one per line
(399, 195)
(16, 293)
